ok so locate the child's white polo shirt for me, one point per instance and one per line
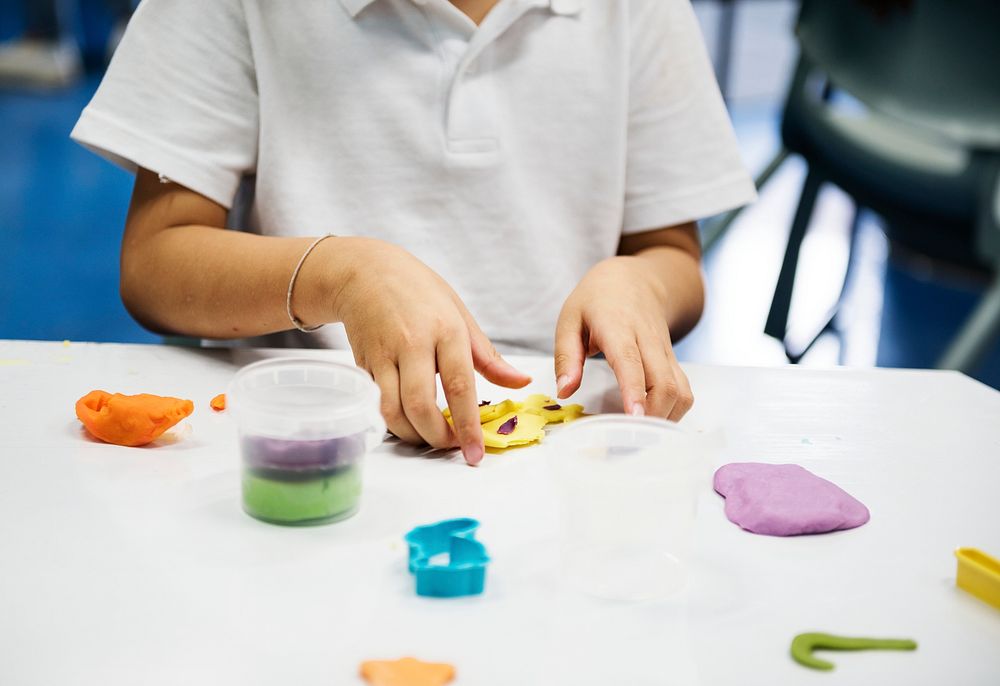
(510, 157)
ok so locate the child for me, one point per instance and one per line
(490, 171)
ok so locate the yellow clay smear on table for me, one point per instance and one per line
(529, 429)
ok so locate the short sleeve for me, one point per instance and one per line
(180, 97)
(683, 162)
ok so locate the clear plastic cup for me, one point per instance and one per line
(304, 427)
(629, 488)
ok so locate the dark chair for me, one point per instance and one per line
(919, 145)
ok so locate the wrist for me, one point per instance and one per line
(325, 273)
(640, 275)
(344, 261)
(652, 267)
(679, 285)
(646, 269)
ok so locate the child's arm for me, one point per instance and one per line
(630, 308)
(682, 163)
(183, 272)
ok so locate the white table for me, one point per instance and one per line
(137, 566)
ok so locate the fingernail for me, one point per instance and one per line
(473, 453)
(638, 410)
(562, 382)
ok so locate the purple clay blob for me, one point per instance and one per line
(785, 500)
(508, 426)
(262, 452)
(552, 407)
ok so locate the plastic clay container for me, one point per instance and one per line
(629, 489)
(304, 427)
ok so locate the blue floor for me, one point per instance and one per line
(62, 210)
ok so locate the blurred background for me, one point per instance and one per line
(873, 127)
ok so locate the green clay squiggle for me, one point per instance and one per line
(804, 644)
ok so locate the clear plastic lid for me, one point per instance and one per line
(304, 399)
(621, 446)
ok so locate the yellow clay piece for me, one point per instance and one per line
(565, 413)
(537, 404)
(529, 429)
(488, 413)
(532, 416)
(979, 574)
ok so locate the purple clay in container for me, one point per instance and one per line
(263, 452)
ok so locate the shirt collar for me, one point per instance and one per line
(562, 7)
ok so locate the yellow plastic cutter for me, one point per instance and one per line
(979, 574)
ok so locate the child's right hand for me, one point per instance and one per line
(183, 273)
(405, 324)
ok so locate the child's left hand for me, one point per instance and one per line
(618, 309)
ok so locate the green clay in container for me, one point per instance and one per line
(300, 498)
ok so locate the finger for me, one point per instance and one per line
(626, 362)
(488, 362)
(387, 378)
(685, 397)
(661, 386)
(570, 354)
(454, 360)
(418, 390)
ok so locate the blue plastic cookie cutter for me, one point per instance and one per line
(465, 571)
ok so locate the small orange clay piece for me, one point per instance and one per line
(130, 420)
(219, 402)
(407, 671)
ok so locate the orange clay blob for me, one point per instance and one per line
(219, 402)
(406, 672)
(130, 420)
